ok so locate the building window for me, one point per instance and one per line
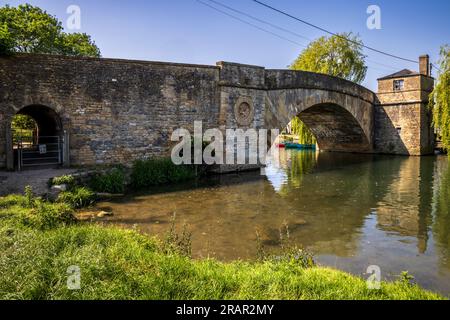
(399, 85)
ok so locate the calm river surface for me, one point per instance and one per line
(351, 211)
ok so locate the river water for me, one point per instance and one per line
(351, 211)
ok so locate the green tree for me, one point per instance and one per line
(23, 122)
(23, 128)
(6, 41)
(335, 56)
(305, 135)
(78, 44)
(440, 98)
(29, 29)
(340, 56)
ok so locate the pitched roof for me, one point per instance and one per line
(400, 74)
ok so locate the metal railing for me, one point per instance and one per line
(47, 152)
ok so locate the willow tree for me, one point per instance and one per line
(305, 135)
(440, 98)
(340, 56)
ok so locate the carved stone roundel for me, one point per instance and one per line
(244, 111)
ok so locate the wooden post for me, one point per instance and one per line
(9, 149)
(66, 150)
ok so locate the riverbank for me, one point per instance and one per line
(15, 182)
(39, 241)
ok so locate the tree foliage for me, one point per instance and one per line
(78, 44)
(29, 29)
(6, 40)
(440, 98)
(334, 56)
(23, 122)
(23, 128)
(305, 135)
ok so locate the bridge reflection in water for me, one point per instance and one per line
(350, 210)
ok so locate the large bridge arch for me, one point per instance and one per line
(335, 128)
(340, 122)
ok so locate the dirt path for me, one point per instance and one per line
(15, 182)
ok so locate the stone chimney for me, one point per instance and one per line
(424, 65)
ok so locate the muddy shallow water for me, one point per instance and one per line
(351, 211)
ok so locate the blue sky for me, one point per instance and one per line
(188, 31)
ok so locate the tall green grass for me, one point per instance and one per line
(77, 197)
(27, 211)
(112, 181)
(144, 174)
(152, 172)
(68, 180)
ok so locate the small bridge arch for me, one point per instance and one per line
(48, 121)
(43, 146)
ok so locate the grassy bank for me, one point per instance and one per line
(38, 243)
(141, 175)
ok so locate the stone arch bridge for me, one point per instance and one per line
(114, 111)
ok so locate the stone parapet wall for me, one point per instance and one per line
(291, 79)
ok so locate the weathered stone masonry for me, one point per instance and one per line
(402, 117)
(116, 111)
